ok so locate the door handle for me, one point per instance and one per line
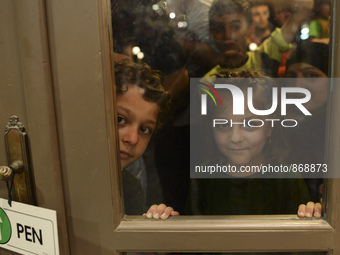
(18, 169)
(8, 172)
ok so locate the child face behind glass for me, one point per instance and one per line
(242, 145)
(325, 10)
(317, 87)
(230, 33)
(260, 16)
(137, 119)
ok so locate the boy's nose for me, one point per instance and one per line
(301, 82)
(131, 136)
(227, 34)
(300, 75)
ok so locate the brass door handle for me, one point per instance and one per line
(18, 169)
(8, 172)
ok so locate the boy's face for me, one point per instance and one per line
(241, 145)
(260, 16)
(137, 120)
(325, 10)
(317, 87)
(230, 34)
(281, 15)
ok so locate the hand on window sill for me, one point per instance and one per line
(160, 211)
(310, 210)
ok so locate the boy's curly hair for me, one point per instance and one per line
(143, 76)
(223, 7)
(229, 73)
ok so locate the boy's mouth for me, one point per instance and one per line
(125, 155)
(230, 46)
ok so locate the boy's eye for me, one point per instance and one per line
(291, 75)
(311, 75)
(235, 27)
(121, 120)
(146, 130)
(217, 27)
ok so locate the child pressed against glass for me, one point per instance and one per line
(141, 103)
(229, 29)
(319, 27)
(240, 145)
(260, 27)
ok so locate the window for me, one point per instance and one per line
(190, 39)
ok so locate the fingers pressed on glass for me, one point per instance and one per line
(151, 211)
(302, 210)
(318, 210)
(167, 212)
(310, 210)
(159, 211)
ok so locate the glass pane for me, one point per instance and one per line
(187, 41)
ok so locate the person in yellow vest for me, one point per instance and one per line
(319, 27)
(229, 27)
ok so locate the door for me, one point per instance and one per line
(26, 91)
(57, 77)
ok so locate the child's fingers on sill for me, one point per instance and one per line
(317, 210)
(159, 211)
(167, 213)
(302, 210)
(150, 212)
(310, 209)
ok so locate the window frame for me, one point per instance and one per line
(279, 233)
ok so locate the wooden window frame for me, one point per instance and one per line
(281, 233)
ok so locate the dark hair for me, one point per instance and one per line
(317, 6)
(223, 7)
(263, 3)
(277, 148)
(143, 76)
(259, 3)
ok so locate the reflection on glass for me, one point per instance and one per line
(243, 143)
(200, 38)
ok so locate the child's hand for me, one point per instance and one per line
(310, 210)
(160, 212)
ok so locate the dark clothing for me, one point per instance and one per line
(172, 156)
(308, 147)
(308, 139)
(249, 196)
(163, 52)
(134, 199)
